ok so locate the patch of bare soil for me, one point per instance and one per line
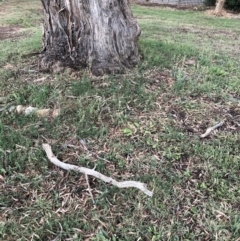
(224, 14)
(171, 6)
(155, 78)
(9, 32)
(208, 10)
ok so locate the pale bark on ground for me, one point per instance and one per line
(69, 167)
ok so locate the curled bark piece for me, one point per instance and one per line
(29, 110)
(125, 184)
(210, 129)
(20, 109)
(43, 112)
(39, 112)
(56, 113)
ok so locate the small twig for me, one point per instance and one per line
(89, 188)
(89, 153)
(125, 184)
(210, 129)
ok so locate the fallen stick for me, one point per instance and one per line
(89, 188)
(125, 184)
(210, 129)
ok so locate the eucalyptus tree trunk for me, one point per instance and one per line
(219, 7)
(99, 34)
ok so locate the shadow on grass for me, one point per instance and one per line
(162, 54)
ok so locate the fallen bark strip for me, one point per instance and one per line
(125, 184)
(210, 129)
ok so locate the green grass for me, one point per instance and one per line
(147, 123)
(21, 14)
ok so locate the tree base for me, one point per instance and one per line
(100, 35)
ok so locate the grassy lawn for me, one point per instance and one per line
(147, 123)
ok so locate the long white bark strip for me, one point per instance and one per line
(210, 129)
(142, 186)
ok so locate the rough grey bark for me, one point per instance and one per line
(99, 34)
